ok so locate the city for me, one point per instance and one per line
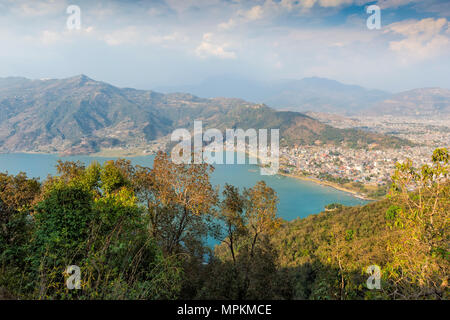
(366, 171)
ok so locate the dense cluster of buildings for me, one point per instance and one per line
(373, 167)
(343, 165)
(429, 131)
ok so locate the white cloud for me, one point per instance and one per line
(123, 36)
(227, 25)
(39, 8)
(305, 5)
(334, 3)
(254, 13)
(422, 39)
(243, 16)
(385, 4)
(271, 9)
(425, 28)
(210, 48)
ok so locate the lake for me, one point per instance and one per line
(298, 198)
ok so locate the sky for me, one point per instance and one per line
(148, 44)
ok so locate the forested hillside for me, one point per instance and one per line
(140, 233)
(326, 256)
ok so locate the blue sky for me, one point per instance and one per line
(147, 44)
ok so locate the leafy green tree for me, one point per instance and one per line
(90, 217)
(63, 222)
(421, 213)
(17, 195)
(247, 258)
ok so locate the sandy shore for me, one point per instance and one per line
(317, 181)
(328, 184)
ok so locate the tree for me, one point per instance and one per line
(90, 217)
(17, 195)
(420, 214)
(116, 175)
(232, 215)
(261, 212)
(182, 202)
(248, 221)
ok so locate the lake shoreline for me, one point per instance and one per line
(326, 183)
(297, 199)
(317, 181)
(117, 153)
(103, 153)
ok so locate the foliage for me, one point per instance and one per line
(90, 217)
(246, 258)
(420, 254)
(140, 233)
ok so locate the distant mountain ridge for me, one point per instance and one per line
(316, 94)
(84, 115)
(308, 94)
(423, 102)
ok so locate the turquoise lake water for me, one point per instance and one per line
(297, 198)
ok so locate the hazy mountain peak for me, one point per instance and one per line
(13, 81)
(311, 93)
(80, 79)
(421, 102)
(319, 80)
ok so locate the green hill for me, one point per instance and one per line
(327, 256)
(85, 115)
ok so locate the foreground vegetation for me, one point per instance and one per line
(141, 233)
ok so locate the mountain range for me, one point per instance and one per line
(423, 102)
(324, 95)
(81, 115)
